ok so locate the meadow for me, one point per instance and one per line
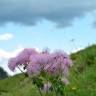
(82, 78)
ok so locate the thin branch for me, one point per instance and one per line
(20, 69)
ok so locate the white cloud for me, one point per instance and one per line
(6, 36)
(5, 55)
(37, 49)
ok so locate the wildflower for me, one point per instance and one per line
(59, 63)
(65, 81)
(33, 69)
(12, 64)
(56, 63)
(22, 58)
(47, 86)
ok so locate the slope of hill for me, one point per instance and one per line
(82, 78)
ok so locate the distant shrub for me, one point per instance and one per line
(3, 74)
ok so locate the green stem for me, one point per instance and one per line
(55, 91)
(39, 91)
(64, 92)
(20, 69)
(36, 86)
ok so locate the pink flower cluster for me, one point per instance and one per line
(22, 58)
(53, 63)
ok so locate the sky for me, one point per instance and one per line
(68, 25)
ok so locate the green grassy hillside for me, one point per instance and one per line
(82, 78)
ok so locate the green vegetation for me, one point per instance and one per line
(82, 78)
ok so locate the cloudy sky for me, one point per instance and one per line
(69, 25)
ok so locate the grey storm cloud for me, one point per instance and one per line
(27, 12)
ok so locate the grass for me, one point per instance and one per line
(82, 78)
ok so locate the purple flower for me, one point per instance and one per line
(54, 63)
(42, 59)
(12, 64)
(47, 86)
(51, 68)
(22, 58)
(33, 69)
(65, 81)
(59, 63)
(68, 62)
